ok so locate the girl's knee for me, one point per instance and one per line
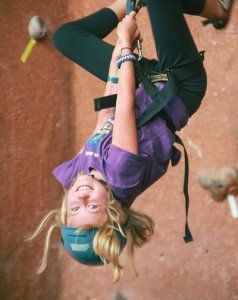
(70, 37)
(59, 37)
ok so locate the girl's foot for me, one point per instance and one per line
(221, 23)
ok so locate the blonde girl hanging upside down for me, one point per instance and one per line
(121, 159)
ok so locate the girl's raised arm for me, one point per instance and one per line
(124, 130)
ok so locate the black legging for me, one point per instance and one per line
(81, 41)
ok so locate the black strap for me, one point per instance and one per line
(160, 98)
(188, 236)
(105, 102)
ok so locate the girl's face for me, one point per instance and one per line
(86, 202)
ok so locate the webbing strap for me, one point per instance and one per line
(105, 102)
(160, 98)
(188, 236)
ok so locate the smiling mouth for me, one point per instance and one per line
(84, 187)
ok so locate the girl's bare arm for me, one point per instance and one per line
(124, 130)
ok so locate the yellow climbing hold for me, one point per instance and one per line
(28, 49)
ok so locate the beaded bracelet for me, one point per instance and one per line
(123, 58)
(112, 79)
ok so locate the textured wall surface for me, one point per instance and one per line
(36, 134)
(46, 116)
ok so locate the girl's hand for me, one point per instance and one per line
(128, 31)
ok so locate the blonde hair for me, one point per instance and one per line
(136, 227)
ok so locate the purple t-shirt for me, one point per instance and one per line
(129, 174)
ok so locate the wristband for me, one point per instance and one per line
(112, 79)
(123, 58)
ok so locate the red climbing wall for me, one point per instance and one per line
(46, 115)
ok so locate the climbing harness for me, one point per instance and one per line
(160, 98)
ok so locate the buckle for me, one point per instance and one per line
(158, 77)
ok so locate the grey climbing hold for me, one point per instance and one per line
(37, 28)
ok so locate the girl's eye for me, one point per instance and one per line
(75, 209)
(92, 206)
